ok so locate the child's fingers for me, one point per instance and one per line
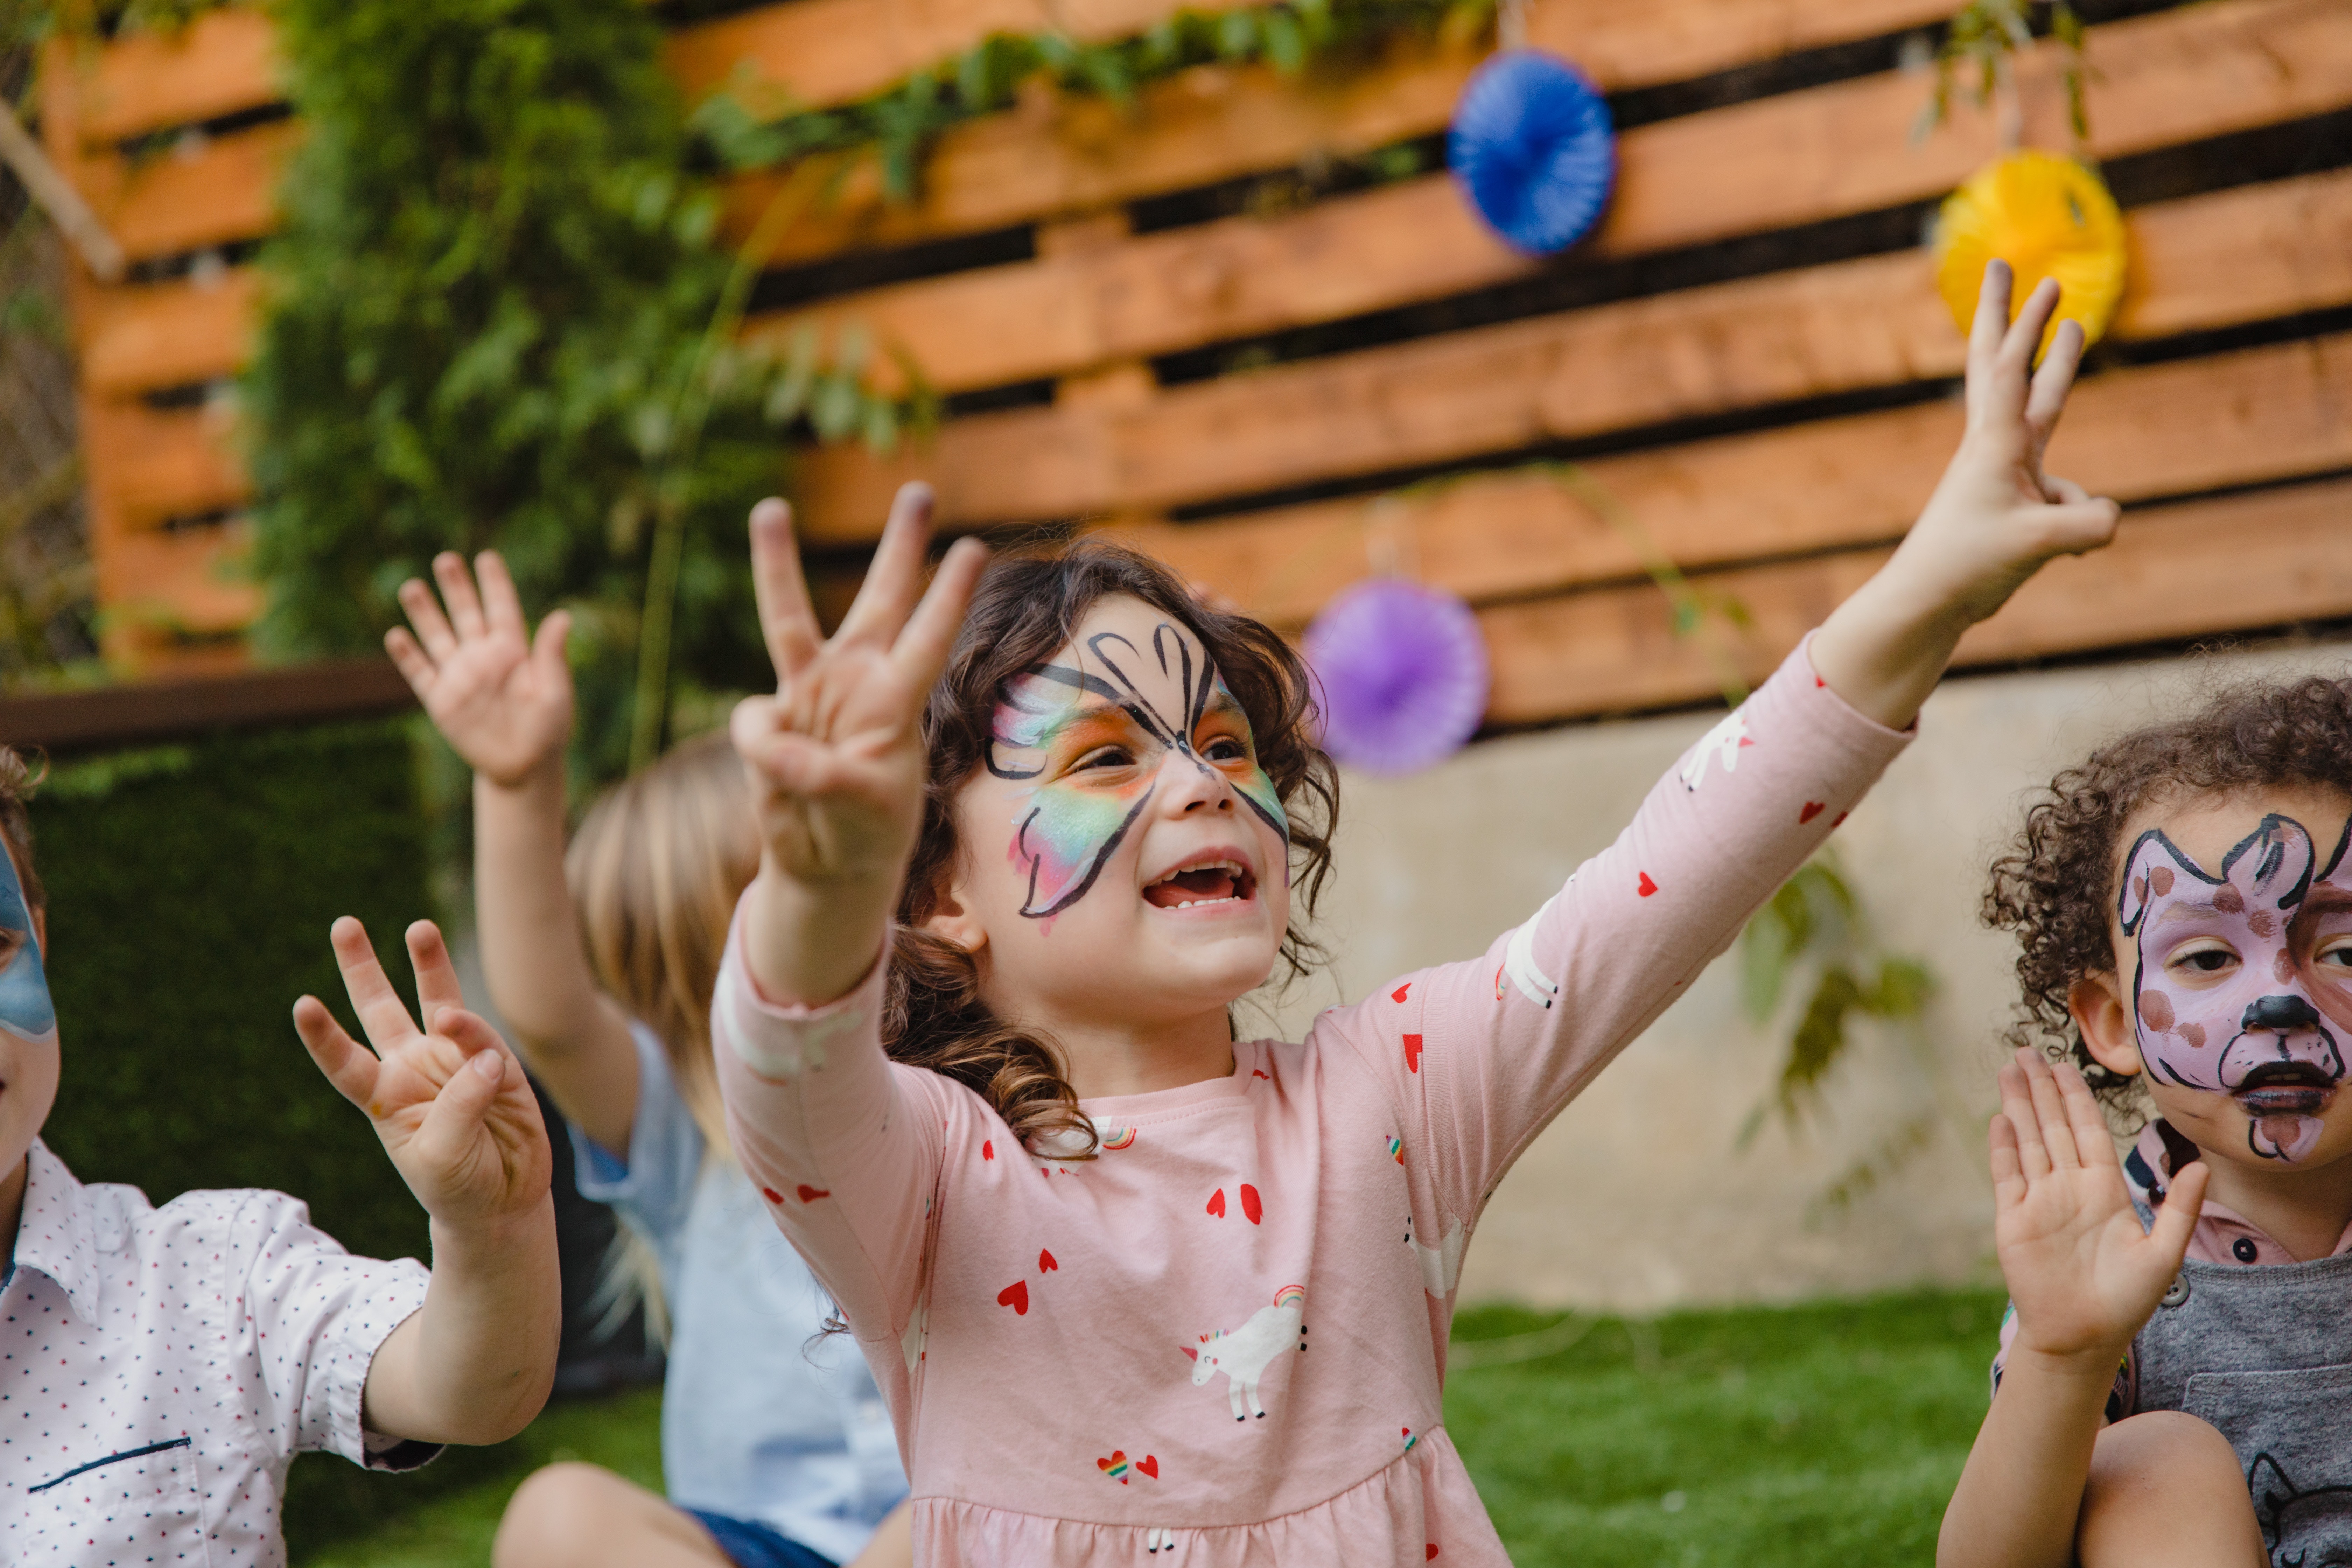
(436, 976)
(2008, 1172)
(787, 619)
(2050, 1107)
(424, 612)
(2046, 399)
(453, 1120)
(2019, 346)
(382, 1013)
(349, 1065)
(922, 649)
(410, 660)
(501, 605)
(2083, 526)
(469, 1030)
(547, 644)
(2024, 1122)
(2176, 1217)
(1992, 324)
(457, 592)
(2083, 1117)
(888, 595)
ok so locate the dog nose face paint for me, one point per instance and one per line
(2241, 984)
(25, 1007)
(1092, 742)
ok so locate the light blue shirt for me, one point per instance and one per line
(760, 1420)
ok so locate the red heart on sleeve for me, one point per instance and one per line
(1149, 1466)
(1250, 1205)
(1648, 886)
(1217, 1203)
(1015, 1296)
(1811, 809)
(809, 1195)
(1045, 1264)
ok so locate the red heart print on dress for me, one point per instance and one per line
(809, 1195)
(1398, 995)
(1839, 818)
(1015, 1296)
(1045, 1264)
(1811, 809)
(1412, 1053)
(1254, 1209)
(1115, 1467)
(1647, 887)
(1432, 1550)
(988, 1149)
(772, 1195)
(1149, 1466)
(1217, 1203)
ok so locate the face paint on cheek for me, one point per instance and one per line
(25, 1010)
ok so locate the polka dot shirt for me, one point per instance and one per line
(160, 1368)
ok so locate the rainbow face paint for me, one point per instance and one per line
(1091, 747)
(25, 1010)
(2227, 992)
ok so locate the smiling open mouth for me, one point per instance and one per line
(1212, 882)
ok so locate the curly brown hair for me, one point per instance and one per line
(2055, 888)
(1027, 607)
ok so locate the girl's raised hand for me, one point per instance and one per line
(501, 697)
(837, 754)
(451, 1106)
(2083, 1275)
(1996, 517)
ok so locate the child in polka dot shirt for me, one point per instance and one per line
(160, 1368)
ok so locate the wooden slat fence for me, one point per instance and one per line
(1749, 380)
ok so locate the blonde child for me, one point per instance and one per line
(2176, 1372)
(774, 1458)
(164, 1365)
(1130, 1284)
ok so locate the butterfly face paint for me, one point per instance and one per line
(1064, 730)
(25, 1007)
(2229, 993)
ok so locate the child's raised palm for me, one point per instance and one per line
(837, 753)
(454, 1112)
(1996, 517)
(500, 698)
(2083, 1274)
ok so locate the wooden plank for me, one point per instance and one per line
(2239, 563)
(2138, 435)
(827, 52)
(1786, 336)
(144, 713)
(222, 192)
(190, 580)
(2200, 70)
(149, 466)
(156, 335)
(223, 62)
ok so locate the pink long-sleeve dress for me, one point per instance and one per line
(1222, 1342)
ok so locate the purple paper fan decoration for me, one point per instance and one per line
(1534, 149)
(1402, 669)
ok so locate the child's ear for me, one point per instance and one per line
(951, 919)
(2096, 1002)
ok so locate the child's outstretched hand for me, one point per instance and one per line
(2083, 1275)
(452, 1106)
(1995, 518)
(835, 756)
(500, 698)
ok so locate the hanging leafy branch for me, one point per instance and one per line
(751, 126)
(1985, 38)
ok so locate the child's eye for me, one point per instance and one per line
(1104, 757)
(2338, 952)
(1226, 749)
(2204, 960)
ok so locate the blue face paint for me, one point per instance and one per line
(25, 1010)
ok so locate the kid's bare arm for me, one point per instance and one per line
(475, 1364)
(502, 699)
(2084, 1278)
(1994, 521)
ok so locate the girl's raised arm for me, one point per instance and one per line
(1483, 1055)
(502, 698)
(816, 1112)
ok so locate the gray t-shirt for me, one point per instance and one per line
(758, 1422)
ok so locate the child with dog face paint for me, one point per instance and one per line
(1027, 839)
(2173, 1379)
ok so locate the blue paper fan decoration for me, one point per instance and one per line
(1402, 671)
(1533, 147)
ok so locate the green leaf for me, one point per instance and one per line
(881, 427)
(1285, 46)
(836, 407)
(1237, 35)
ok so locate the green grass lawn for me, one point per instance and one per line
(1826, 1433)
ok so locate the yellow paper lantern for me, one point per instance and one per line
(2047, 216)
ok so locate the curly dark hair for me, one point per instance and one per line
(1027, 607)
(2055, 888)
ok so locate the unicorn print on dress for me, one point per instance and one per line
(1159, 1539)
(2253, 1022)
(1519, 963)
(1242, 1355)
(1441, 1266)
(1721, 744)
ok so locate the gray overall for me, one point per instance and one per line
(2265, 1354)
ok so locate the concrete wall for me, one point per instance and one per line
(1601, 1212)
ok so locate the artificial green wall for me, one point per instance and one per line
(190, 891)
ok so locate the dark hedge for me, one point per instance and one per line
(190, 893)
